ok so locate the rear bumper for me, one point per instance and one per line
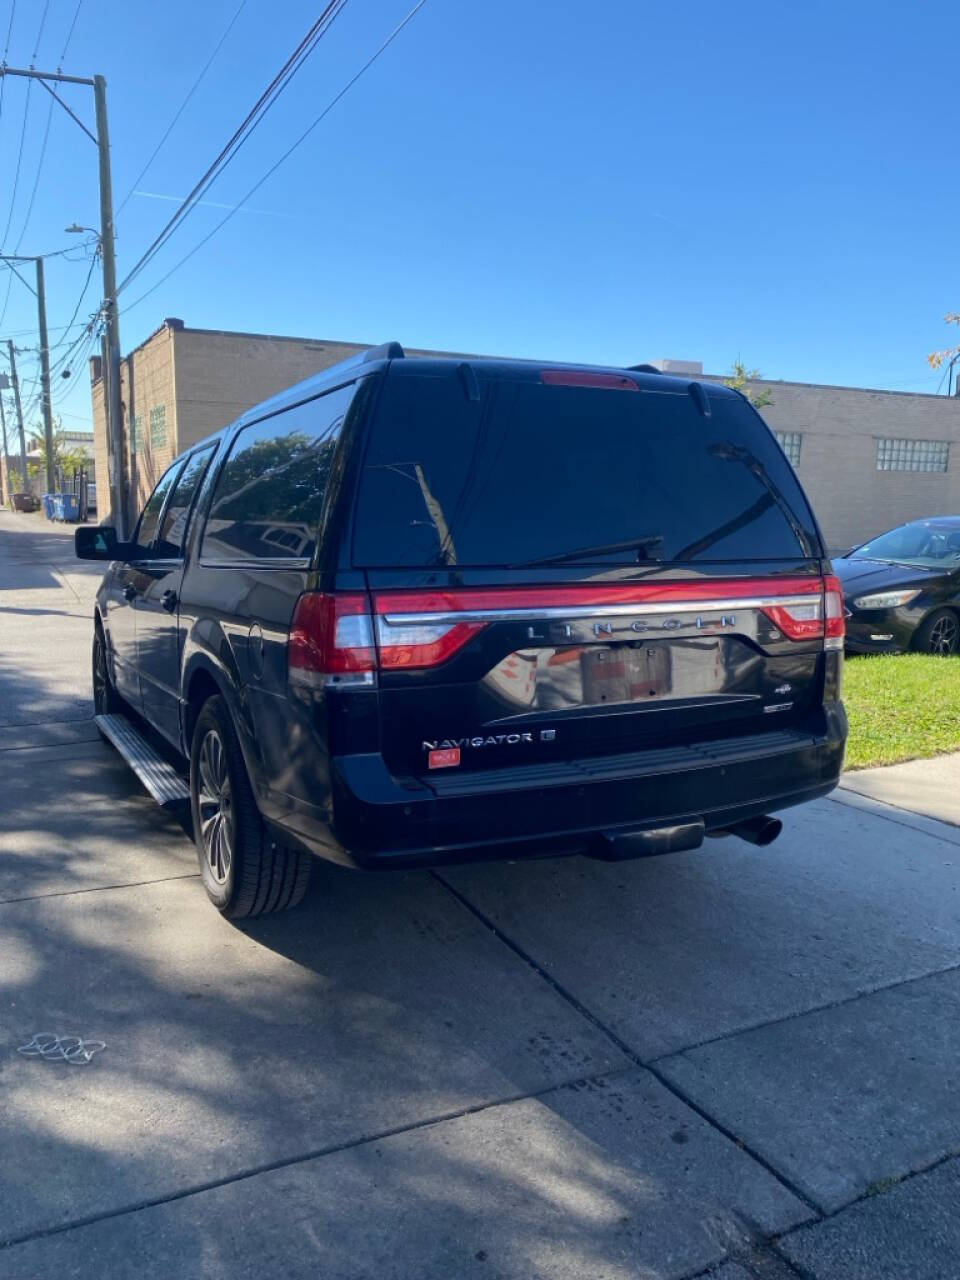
(381, 821)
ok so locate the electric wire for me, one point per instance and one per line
(73, 27)
(290, 150)
(36, 180)
(242, 133)
(43, 23)
(180, 110)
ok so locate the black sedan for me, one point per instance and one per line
(902, 589)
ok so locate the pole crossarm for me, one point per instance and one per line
(9, 259)
(31, 74)
(73, 115)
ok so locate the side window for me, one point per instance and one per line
(150, 516)
(269, 495)
(174, 527)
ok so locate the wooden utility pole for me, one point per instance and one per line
(114, 414)
(45, 375)
(16, 400)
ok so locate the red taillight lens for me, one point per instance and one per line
(422, 644)
(836, 627)
(331, 640)
(798, 621)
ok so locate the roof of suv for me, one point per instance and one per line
(391, 355)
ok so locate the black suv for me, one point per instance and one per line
(416, 611)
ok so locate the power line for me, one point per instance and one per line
(16, 176)
(244, 130)
(36, 180)
(290, 150)
(180, 110)
(73, 27)
(43, 23)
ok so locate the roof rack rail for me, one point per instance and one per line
(386, 351)
(644, 368)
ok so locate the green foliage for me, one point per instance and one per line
(901, 707)
(292, 473)
(740, 378)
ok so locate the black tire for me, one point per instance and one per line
(939, 633)
(106, 700)
(244, 870)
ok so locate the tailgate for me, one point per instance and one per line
(476, 679)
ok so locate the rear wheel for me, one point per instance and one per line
(106, 700)
(939, 634)
(244, 871)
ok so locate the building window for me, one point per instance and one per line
(158, 426)
(136, 426)
(789, 442)
(912, 455)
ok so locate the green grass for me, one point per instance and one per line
(901, 707)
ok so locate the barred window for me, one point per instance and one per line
(158, 425)
(136, 427)
(912, 455)
(789, 442)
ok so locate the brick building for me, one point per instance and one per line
(868, 459)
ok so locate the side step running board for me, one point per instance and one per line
(160, 778)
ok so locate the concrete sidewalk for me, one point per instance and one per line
(927, 787)
(733, 1061)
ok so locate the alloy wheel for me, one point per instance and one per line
(215, 806)
(943, 635)
(101, 678)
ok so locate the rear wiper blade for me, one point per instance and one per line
(641, 545)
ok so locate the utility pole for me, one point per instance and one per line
(111, 384)
(16, 400)
(6, 452)
(45, 374)
(111, 381)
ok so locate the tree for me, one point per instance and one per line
(936, 359)
(741, 377)
(68, 459)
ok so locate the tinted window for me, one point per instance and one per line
(269, 496)
(174, 527)
(150, 517)
(535, 472)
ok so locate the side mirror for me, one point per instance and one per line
(97, 542)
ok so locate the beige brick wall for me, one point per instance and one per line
(219, 376)
(840, 427)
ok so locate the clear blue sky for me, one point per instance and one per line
(613, 182)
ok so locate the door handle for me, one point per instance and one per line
(129, 591)
(169, 601)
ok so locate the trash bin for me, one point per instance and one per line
(24, 502)
(69, 507)
(47, 500)
(58, 506)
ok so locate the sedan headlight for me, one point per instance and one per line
(886, 599)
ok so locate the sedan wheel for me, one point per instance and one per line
(939, 634)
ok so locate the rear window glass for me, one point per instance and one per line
(534, 473)
(269, 495)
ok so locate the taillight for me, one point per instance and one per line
(331, 640)
(797, 621)
(422, 644)
(836, 627)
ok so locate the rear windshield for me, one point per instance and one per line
(534, 473)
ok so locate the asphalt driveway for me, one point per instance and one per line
(735, 1061)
